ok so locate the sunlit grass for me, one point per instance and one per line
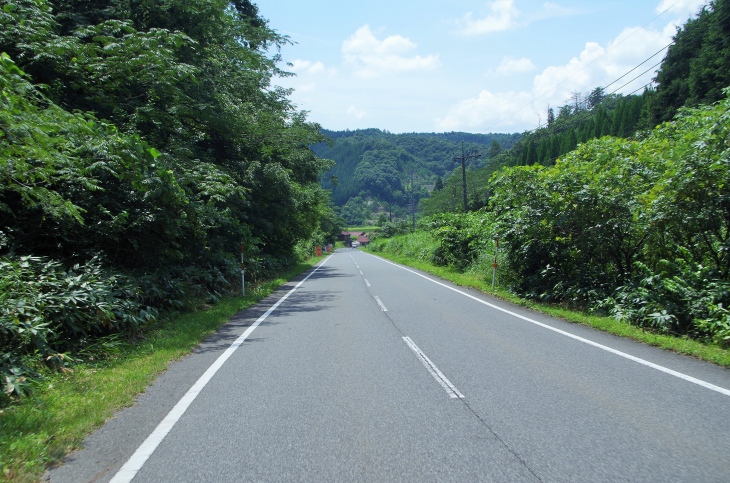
(39, 431)
(365, 228)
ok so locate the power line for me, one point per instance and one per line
(632, 80)
(682, 64)
(668, 45)
(588, 64)
(647, 60)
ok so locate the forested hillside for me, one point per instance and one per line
(590, 116)
(140, 146)
(375, 168)
(694, 71)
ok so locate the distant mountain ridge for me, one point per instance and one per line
(396, 168)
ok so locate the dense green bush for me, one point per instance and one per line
(154, 139)
(390, 229)
(419, 245)
(461, 238)
(639, 228)
(50, 311)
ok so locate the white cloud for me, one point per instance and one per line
(600, 66)
(503, 16)
(681, 7)
(510, 66)
(487, 110)
(307, 66)
(306, 87)
(358, 114)
(595, 66)
(372, 57)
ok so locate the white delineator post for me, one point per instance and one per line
(494, 265)
(243, 274)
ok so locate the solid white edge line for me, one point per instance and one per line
(130, 469)
(382, 306)
(666, 370)
(433, 370)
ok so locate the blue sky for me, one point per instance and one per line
(461, 65)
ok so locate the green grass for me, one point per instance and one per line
(38, 431)
(363, 228)
(682, 345)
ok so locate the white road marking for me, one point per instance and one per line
(130, 469)
(434, 371)
(382, 307)
(366, 282)
(644, 362)
(362, 273)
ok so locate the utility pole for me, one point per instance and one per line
(464, 157)
(413, 205)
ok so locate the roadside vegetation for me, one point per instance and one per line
(38, 430)
(637, 230)
(142, 151)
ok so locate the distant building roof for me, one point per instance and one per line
(363, 239)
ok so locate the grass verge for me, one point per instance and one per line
(40, 430)
(682, 345)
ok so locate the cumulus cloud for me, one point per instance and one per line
(503, 16)
(503, 109)
(595, 66)
(510, 66)
(599, 66)
(372, 57)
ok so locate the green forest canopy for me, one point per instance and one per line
(140, 145)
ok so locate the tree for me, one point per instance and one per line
(439, 184)
(697, 65)
(187, 160)
(495, 149)
(550, 116)
(595, 98)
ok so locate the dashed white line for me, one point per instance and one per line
(638, 360)
(434, 371)
(366, 282)
(382, 307)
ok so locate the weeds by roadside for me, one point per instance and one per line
(683, 345)
(38, 431)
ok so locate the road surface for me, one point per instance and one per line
(363, 370)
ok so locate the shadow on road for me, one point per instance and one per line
(293, 305)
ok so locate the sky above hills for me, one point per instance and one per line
(465, 65)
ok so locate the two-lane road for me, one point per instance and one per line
(369, 371)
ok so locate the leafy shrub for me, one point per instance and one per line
(390, 229)
(46, 311)
(461, 236)
(682, 299)
(419, 245)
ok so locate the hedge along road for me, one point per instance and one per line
(369, 371)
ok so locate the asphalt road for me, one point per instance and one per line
(368, 371)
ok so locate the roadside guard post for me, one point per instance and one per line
(243, 274)
(494, 265)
